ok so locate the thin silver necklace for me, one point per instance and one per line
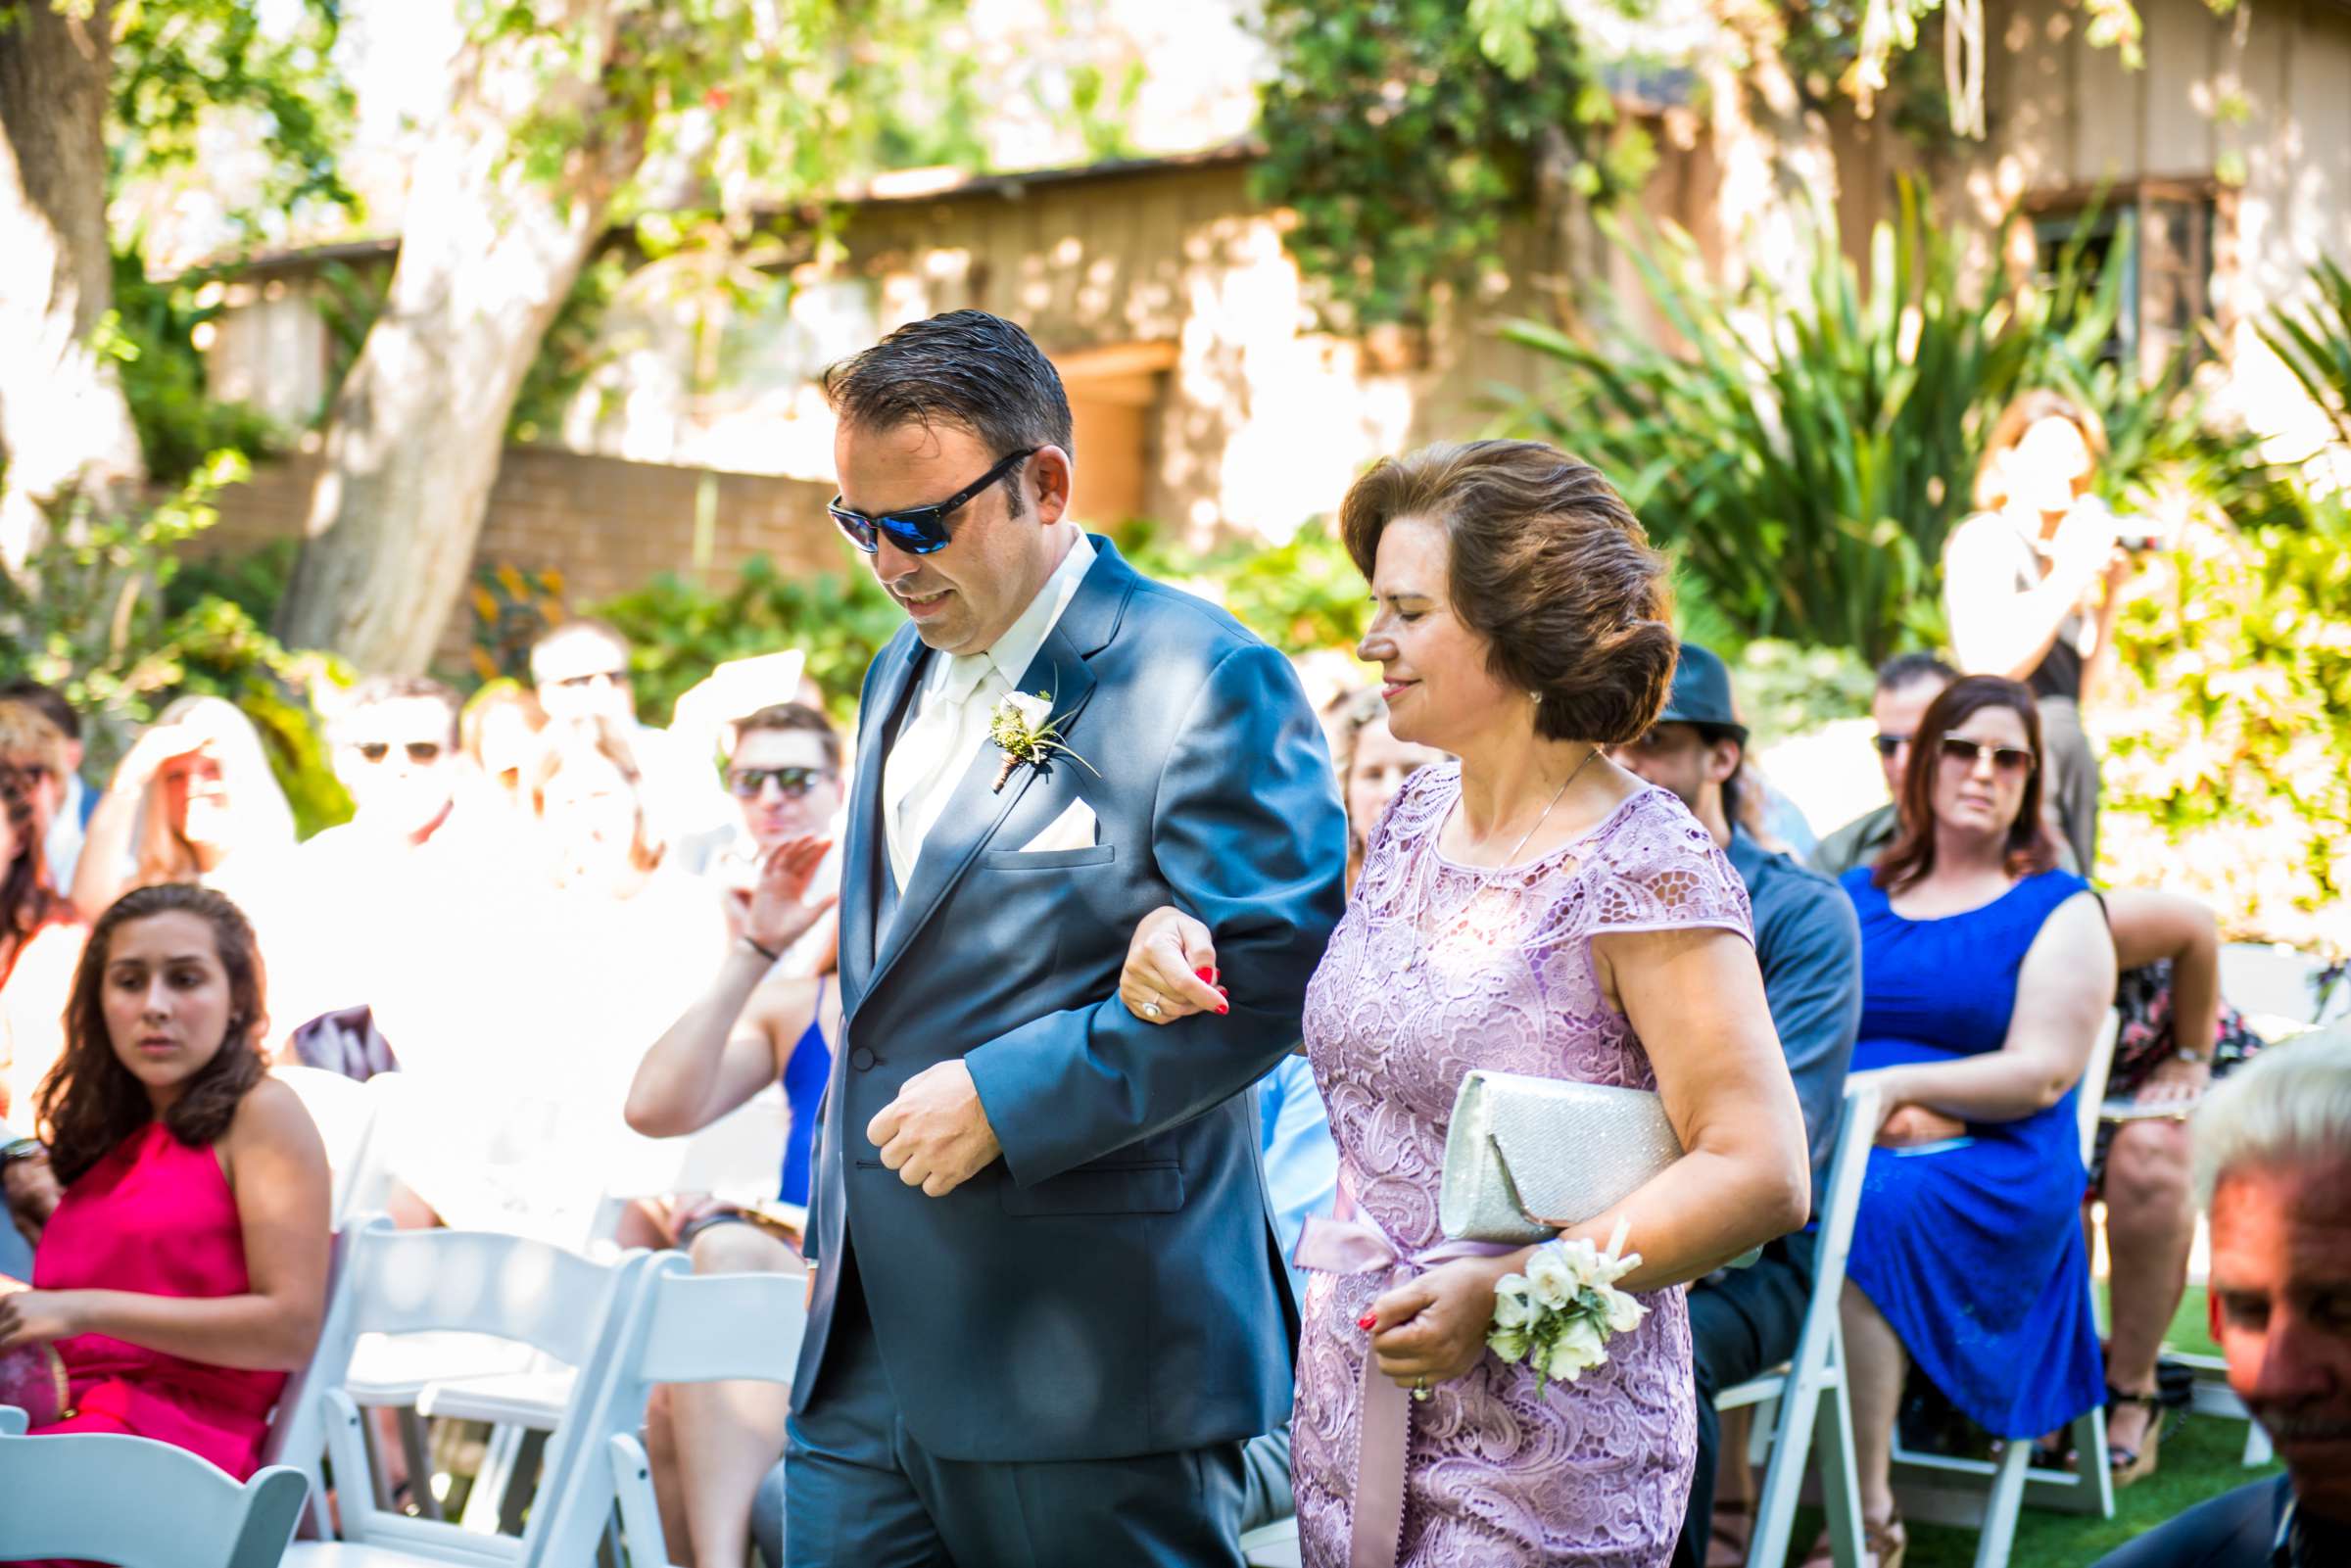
(1511, 859)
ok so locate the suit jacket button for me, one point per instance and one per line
(862, 1059)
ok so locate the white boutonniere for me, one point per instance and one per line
(1022, 727)
(1560, 1314)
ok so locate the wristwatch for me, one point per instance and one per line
(2185, 1054)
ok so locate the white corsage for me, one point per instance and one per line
(1024, 731)
(1560, 1314)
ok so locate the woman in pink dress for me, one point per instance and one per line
(1534, 909)
(183, 1275)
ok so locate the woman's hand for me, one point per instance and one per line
(780, 911)
(2174, 1083)
(155, 746)
(1433, 1327)
(1170, 969)
(1911, 1125)
(37, 1316)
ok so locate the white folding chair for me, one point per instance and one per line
(2014, 1479)
(138, 1503)
(456, 1282)
(344, 1114)
(1810, 1392)
(682, 1328)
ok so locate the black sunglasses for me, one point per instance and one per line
(2006, 759)
(1889, 744)
(423, 753)
(919, 530)
(747, 783)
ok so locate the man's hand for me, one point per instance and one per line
(936, 1134)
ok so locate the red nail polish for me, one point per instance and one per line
(1206, 976)
(1223, 1009)
(1366, 1321)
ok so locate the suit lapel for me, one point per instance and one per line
(974, 813)
(866, 855)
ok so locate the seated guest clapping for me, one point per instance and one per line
(783, 769)
(1986, 975)
(712, 1442)
(183, 1273)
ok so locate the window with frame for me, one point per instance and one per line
(2164, 236)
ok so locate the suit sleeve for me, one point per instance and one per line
(1248, 834)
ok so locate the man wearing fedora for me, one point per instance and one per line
(1744, 1322)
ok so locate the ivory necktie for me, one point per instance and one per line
(930, 756)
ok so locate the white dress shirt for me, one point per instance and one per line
(949, 723)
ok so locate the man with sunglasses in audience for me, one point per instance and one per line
(1907, 686)
(580, 672)
(783, 772)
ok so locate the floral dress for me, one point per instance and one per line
(1437, 969)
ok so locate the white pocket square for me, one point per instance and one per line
(1073, 829)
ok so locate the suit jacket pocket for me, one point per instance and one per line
(1047, 859)
(1150, 1187)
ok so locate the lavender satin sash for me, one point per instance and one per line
(1345, 1245)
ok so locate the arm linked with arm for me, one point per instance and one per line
(1247, 830)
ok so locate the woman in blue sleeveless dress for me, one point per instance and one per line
(711, 1443)
(1985, 976)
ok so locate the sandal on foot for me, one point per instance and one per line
(1882, 1546)
(2128, 1465)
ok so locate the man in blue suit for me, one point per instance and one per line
(1047, 1308)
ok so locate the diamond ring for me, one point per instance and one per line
(1150, 1010)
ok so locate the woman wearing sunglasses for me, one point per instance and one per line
(1986, 975)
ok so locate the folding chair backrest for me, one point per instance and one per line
(1841, 1193)
(2091, 1091)
(681, 1329)
(711, 1327)
(344, 1114)
(139, 1503)
(509, 1287)
(298, 1431)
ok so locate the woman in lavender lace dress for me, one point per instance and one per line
(1537, 910)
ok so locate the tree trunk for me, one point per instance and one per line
(488, 253)
(64, 426)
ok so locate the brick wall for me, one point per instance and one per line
(606, 524)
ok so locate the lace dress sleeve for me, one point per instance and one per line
(1659, 871)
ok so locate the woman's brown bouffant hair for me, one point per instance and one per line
(90, 1101)
(1911, 856)
(1549, 565)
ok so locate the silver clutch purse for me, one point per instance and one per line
(1526, 1157)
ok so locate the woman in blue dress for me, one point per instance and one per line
(1986, 973)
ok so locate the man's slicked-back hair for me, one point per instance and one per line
(966, 369)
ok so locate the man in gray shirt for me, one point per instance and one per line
(1809, 941)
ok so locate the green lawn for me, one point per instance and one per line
(2200, 1460)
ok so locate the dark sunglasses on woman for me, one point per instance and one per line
(2004, 759)
(745, 783)
(917, 530)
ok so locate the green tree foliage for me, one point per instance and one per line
(183, 66)
(1405, 135)
(2316, 344)
(100, 617)
(152, 334)
(1806, 455)
(679, 632)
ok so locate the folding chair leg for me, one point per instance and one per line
(522, 1483)
(487, 1496)
(421, 1461)
(1839, 1482)
(2001, 1507)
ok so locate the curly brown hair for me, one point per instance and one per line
(90, 1101)
(2030, 847)
(1549, 565)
